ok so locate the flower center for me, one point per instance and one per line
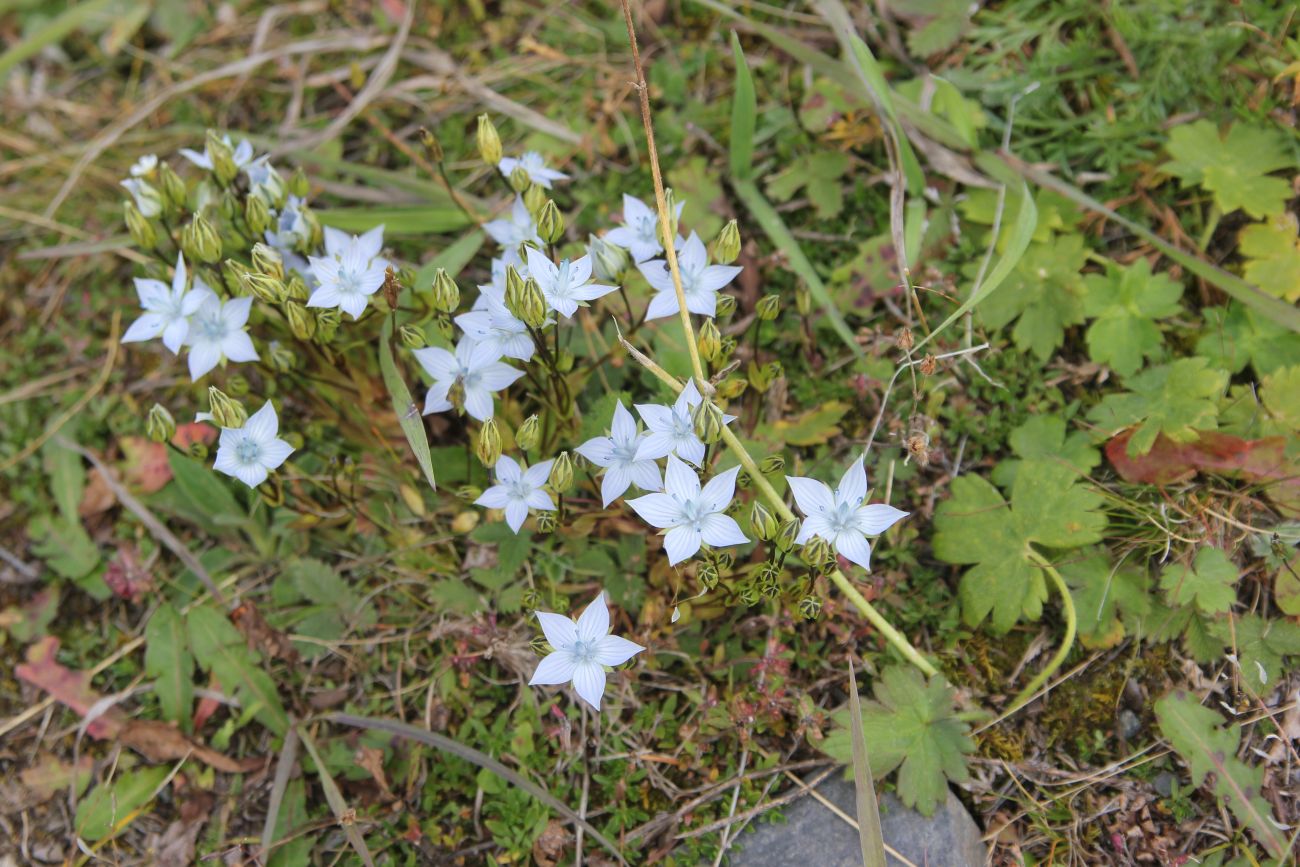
(693, 514)
(624, 452)
(645, 227)
(210, 327)
(583, 650)
(247, 452)
(349, 280)
(519, 489)
(683, 427)
(842, 517)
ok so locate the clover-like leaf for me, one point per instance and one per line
(912, 725)
(977, 526)
(1262, 645)
(1103, 593)
(1177, 400)
(1235, 167)
(1043, 295)
(1207, 582)
(1123, 303)
(1043, 436)
(1272, 251)
(1238, 335)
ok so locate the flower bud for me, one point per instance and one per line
(726, 305)
(280, 357)
(708, 421)
(226, 411)
(710, 341)
(786, 535)
(301, 322)
(707, 573)
(446, 295)
(432, 147)
(295, 289)
(519, 180)
(489, 142)
(732, 387)
(608, 261)
(771, 464)
(532, 306)
(444, 327)
(174, 193)
(529, 434)
(142, 231)
(803, 304)
(546, 522)
(669, 232)
(257, 215)
(817, 553)
(726, 247)
(299, 186)
(327, 324)
(748, 593)
(550, 223)
(237, 385)
(468, 493)
(263, 286)
(762, 522)
(159, 425)
(267, 260)
(412, 337)
(774, 370)
(769, 584)
(197, 450)
(727, 348)
(488, 447)
(768, 307)
(562, 473)
(758, 378)
(228, 207)
(810, 607)
(222, 157)
(200, 240)
(534, 199)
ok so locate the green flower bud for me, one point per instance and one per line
(142, 231)
(726, 247)
(762, 522)
(723, 559)
(175, 195)
(748, 593)
(787, 534)
(733, 386)
(327, 324)
(727, 348)
(769, 586)
(412, 337)
(608, 261)
(263, 287)
(200, 240)
(546, 522)
(315, 235)
(774, 370)
(489, 142)
(710, 341)
(529, 433)
(257, 215)
(550, 223)
(229, 207)
(707, 573)
(298, 184)
(302, 323)
(488, 447)
(768, 307)
(226, 411)
(771, 464)
(803, 304)
(519, 180)
(198, 451)
(237, 385)
(817, 553)
(564, 361)
(295, 289)
(280, 357)
(514, 282)
(222, 157)
(810, 607)
(432, 147)
(446, 294)
(534, 199)
(267, 260)
(562, 473)
(159, 425)
(707, 417)
(468, 493)
(444, 327)
(758, 378)
(726, 305)
(532, 305)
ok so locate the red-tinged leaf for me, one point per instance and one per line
(207, 706)
(195, 432)
(126, 576)
(145, 467)
(98, 496)
(48, 776)
(68, 687)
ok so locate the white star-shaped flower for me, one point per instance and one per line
(581, 651)
(167, 310)
(217, 332)
(144, 166)
(517, 490)
(566, 285)
(535, 165)
(147, 198)
(672, 428)
(617, 454)
(493, 325)
(690, 514)
(639, 234)
(349, 272)
(291, 228)
(513, 230)
(700, 281)
(250, 452)
(264, 181)
(842, 517)
(242, 154)
(478, 369)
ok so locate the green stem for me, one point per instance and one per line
(1071, 623)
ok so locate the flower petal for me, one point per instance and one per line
(721, 531)
(622, 427)
(275, 452)
(593, 623)
(555, 668)
(147, 327)
(507, 470)
(614, 484)
(812, 497)
(598, 450)
(478, 403)
(238, 346)
(680, 480)
(516, 514)
(654, 446)
(878, 517)
(718, 493)
(657, 510)
(854, 547)
(616, 650)
(680, 543)
(495, 497)
(263, 425)
(646, 476)
(560, 631)
(538, 474)
(662, 306)
(853, 484)
(589, 683)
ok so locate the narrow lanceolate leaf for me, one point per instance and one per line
(744, 110)
(408, 414)
(870, 836)
(1196, 734)
(219, 648)
(339, 806)
(167, 658)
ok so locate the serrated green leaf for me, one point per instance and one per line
(167, 659)
(1272, 251)
(218, 647)
(977, 526)
(1123, 303)
(1043, 437)
(1235, 167)
(1103, 593)
(1043, 294)
(1196, 735)
(1177, 400)
(1261, 644)
(1238, 335)
(1280, 394)
(819, 176)
(1208, 583)
(107, 809)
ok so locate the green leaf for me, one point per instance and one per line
(108, 808)
(1043, 437)
(819, 175)
(912, 726)
(70, 20)
(977, 526)
(1238, 335)
(292, 816)
(397, 219)
(1196, 735)
(1171, 623)
(207, 497)
(67, 479)
(219, 648)
(945, 22)
(453, 258)
(1177, 400)
(870, 837)
(1104, 592)
(1123, 302)
(1234, 168)
(744, 113)
(1261, 645)
(1208, 583)
(408, 412)
(167, 659)
(1272, 252)
(1280, 394)
(1043, 295)
(873, 77)
(69, 551)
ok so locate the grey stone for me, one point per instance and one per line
(813, 836)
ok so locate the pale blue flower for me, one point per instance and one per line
(692, 515)
(167, 310)
(535, 165)
(517, 490)
(842, 517)
(700, 281)
(617, 453)
(581, 651)
(248, 453)
(478, 370)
